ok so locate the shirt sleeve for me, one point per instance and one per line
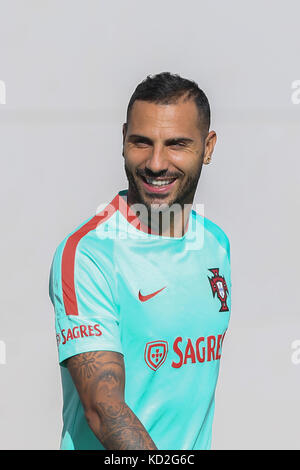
(86, 312)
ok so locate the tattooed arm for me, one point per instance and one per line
(100, 379)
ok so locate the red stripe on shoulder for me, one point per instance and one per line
(68, 257)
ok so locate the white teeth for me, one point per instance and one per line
(159, 183)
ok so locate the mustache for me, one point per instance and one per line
(151, 174)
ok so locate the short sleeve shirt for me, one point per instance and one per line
(162, 302)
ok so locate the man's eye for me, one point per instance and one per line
(178, 144)
(141, 144)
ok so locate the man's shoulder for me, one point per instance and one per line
(214, 230)
(81, 253)
(90, 236)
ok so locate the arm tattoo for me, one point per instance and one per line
(122, 430)
(99, 377)
(83, 368)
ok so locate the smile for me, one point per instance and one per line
(158, 185)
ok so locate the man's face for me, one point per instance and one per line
(164, 150)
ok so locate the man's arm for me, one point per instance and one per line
(99, 377)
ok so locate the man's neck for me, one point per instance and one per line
(171, 221)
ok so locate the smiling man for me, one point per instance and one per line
(141, 290)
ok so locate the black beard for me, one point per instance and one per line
(185, 195)
(132, 187)
(155, 211)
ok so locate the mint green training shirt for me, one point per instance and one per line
(162, 302)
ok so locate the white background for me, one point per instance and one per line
(70, 68)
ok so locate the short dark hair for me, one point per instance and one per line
(167, 88)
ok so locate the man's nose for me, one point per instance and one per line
(157, 160)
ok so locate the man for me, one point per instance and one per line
(142, 304)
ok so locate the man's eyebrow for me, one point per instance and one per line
(141, 138)
(175, 140)
(171, 141)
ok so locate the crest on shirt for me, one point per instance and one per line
(156, 353)
(219, 288)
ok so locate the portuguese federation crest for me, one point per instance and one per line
(219, 288)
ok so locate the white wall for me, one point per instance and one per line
(69, 69)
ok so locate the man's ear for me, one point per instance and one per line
(210, 143)
(124, 131)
